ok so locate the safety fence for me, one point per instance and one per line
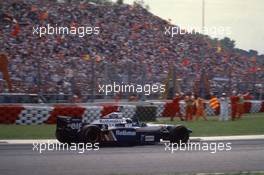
(149, 111)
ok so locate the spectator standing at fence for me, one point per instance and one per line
(247, 104)
(199, 103)
(224, 106)
(189, 108)
(214, 104)
(176, 107)
(234, 99)
(240, 106)
(75, 99)
(194, 109)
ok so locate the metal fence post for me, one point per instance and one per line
(93, 80)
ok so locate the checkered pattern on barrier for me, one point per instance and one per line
(229, 110)
(209, 110)
(30, 115)
(255, 106)
(91, 113)
(34, 115)
(128, 111)
(160, 107)
(182, 107)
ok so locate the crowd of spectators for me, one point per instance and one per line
(131, 43)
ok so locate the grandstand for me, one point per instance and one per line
(131, 42)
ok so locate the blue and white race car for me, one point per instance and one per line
(115, 129)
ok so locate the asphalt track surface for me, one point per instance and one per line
(152, 159)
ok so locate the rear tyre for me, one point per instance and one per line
(91, 134)
(178, 135)
(62, 136)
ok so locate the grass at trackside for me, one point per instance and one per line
(252, 124)
(248, 125)
(27, 131)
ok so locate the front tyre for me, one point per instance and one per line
(179, 134)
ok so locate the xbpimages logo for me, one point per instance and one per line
(42, 147)
(212, 147)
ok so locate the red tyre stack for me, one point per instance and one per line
(107, 109)
(9, 114)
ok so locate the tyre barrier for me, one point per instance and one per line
(91, 113)
(160, 108)
(9, 114)
(73, 111)
(107, 109)
(129, 111)
(255, 106)
(39, 114)
(34, 115)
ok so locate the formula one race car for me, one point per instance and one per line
(115, 129)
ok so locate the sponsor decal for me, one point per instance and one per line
(75, 126)
(109, 121)
(149, 138)
(125, 133)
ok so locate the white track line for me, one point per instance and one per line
(218, 138)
